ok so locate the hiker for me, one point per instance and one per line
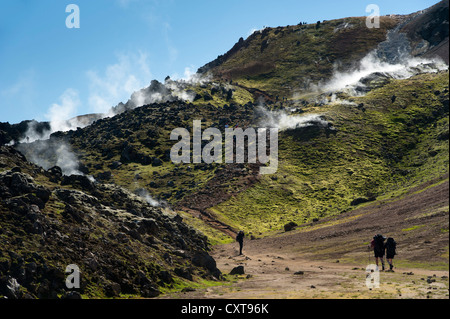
(240, 240)
(377, 244)
(390, 246)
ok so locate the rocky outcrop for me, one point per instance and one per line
(290, 226)
(238, 270)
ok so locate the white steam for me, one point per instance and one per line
(67, 160)
(392, 59)
(51, 152)
(58, 114)
(60, 117)
(192, 77)
(118, 81)
(144, 194)
(169, 91)
(45, 152)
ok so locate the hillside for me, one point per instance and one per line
(285, 61)
(363, 119)
(376, 148)
(123, 245)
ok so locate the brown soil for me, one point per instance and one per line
(250, 69)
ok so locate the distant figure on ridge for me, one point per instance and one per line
(377, 244)
(240, 240)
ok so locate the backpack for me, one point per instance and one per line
(378, 242)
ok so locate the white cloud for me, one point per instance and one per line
(22, 92)
(371, 63)
(17, 87)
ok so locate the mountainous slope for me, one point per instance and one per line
(393, 136)
(378, 147)
(284, 61)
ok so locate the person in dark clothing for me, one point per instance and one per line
(390, 246)
(377, 244)
(240, 240)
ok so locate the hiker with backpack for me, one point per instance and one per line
(377, 244)
(240, 240)
(390, 246)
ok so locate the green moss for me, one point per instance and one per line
(295, 55)
(180, 284)
(413, 228)
(429, 265)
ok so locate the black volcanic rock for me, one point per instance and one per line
(114, 236)
(16, 132)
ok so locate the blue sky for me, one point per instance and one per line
(122, 45)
